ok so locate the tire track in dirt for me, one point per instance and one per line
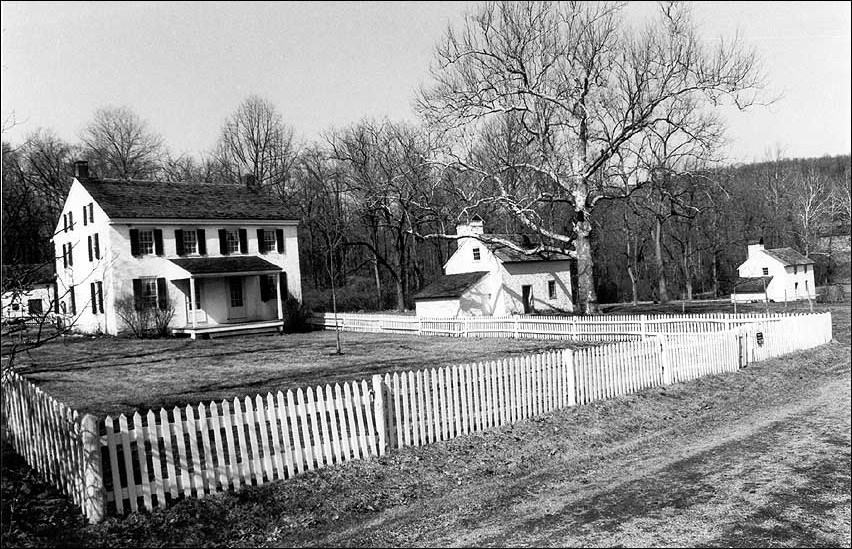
(678, 485)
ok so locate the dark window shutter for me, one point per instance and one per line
(64, 223)
(70, 255)
(179, 242)
(162, 296)
(71, 220)
(261, 244)
(94, 298)
(100, 297)
(64, 256)
(137, 293)
(158, 241)
(202, 243)
(279, 240)
(97, 247)
(243, 241)
(134, 241)
(92, 214)
(85, 217)
(223, 241)
(91, 256)
(264, 288)
(56, 297)
(73, 300)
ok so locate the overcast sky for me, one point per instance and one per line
(184, 67)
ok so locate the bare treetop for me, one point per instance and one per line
(586, 90)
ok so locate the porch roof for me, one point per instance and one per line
(208, 266)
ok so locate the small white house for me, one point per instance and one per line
(485, 278)
(786, 274)
(222, 256)
(28, 292)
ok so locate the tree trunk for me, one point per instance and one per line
(586, 295)
(715, 274)
(379, 303)
(632, 276)
(663, 296)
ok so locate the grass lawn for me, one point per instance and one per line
(755, 458)
(112, 375)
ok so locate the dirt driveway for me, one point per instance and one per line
(774, 476)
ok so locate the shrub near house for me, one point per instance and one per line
(220, 256)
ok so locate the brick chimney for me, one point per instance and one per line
(81, 169)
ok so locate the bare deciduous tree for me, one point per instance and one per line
(585, 88)
(120, 144)
(255, 141)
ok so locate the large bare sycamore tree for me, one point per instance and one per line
(583, 90)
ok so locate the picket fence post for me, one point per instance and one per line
(665, 360)
(643, 319)
(93, 477)
(379, 412)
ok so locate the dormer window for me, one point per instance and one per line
(476, 255)
(765, 271)
(795, 269)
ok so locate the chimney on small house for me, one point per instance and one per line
(474, 227)
(754, 247)
(81, 169)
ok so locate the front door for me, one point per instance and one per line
(236, 298)
(526, 296)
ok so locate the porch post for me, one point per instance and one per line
(192, 304)
(278, 294)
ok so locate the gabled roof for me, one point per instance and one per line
(224, 265)
(788, 256)
(510, 255)
(450, 285)
(751, 285)
(134, 199)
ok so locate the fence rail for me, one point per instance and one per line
(124, 464)
(577, 328)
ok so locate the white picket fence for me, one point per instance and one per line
(119, 465)
(574, 328)
(58, 443)
(204, 449)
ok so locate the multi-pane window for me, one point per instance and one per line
(190, 242)
(149, 291)
(765, 271)
(232, 238)
(268, 288)
(146, 242)
(795, 269)
(476, 255)
(269, 243)
(551, 289)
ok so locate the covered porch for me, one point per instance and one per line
(229, 295)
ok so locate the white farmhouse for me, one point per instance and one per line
(222, 256)
(786, 274)
(485, 278)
